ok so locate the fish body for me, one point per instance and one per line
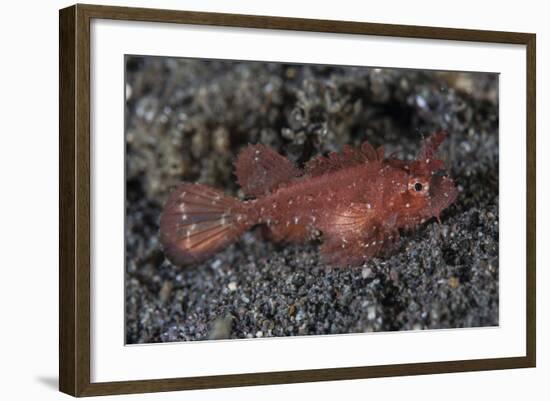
(355, 201)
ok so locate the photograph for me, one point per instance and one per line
(269, 199)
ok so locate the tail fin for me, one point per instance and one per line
(198, 221)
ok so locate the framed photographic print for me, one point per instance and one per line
(251, 200)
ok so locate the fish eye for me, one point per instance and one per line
(418, 186)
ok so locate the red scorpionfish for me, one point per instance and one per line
(357, 200)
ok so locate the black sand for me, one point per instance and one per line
(188, 119)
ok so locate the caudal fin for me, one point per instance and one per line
(198, 221)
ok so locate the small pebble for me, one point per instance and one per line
(221, 328)
(292, 310)
(366, 272)
(371, 312)
(454, 282)
(165, 291)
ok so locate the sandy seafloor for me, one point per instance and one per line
(188, 119)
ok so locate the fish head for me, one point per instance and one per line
(430, 194)
(427, 189)
(429, 181)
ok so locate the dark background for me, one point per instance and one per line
(188, 119)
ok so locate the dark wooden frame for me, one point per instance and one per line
(74, 199)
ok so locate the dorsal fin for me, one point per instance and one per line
(431, 144)
(347, 158)
(261, 170)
